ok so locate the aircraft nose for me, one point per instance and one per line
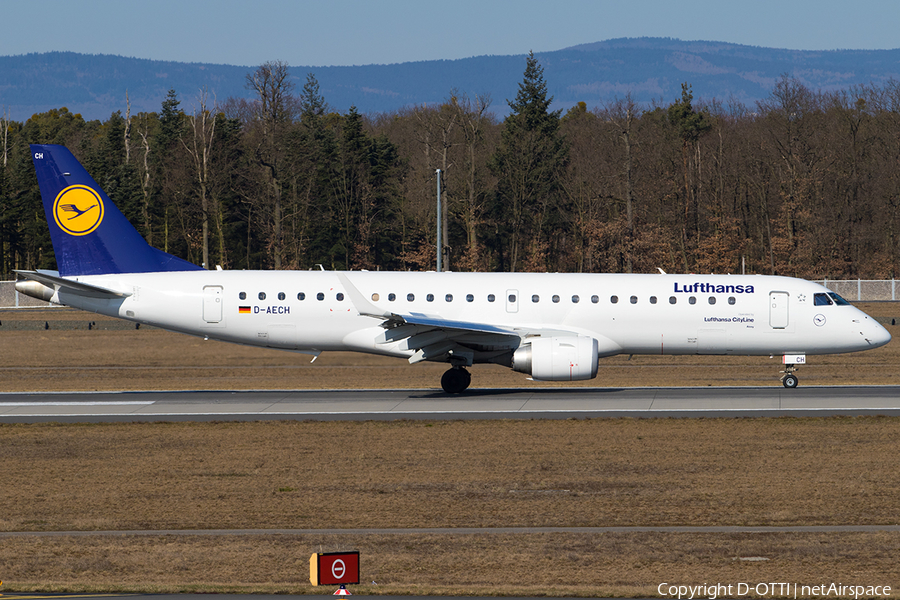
(876, 334)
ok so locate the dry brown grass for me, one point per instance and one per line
(613, 564)
(432, 474)
(596, 472)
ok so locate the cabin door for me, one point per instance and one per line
(212, 303)
(778, 310)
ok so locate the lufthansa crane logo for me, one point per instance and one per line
(78, 210)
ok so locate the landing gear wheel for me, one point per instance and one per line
(455, 380)
(789, 380)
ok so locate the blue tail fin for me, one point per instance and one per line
(89, 234)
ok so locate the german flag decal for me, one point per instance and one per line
(244, 310)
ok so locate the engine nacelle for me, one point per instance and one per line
(35, 289)
(569, 358)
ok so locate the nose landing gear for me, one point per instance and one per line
(789, 380)
(455, 380)
(791, 362)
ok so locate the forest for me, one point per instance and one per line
(803, 183)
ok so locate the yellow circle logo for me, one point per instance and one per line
(78, 210)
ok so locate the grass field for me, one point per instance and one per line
(268, 475)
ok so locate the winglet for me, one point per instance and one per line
(89, 234)
(360, 303)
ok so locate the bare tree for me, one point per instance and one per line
(127, 128)
(274, 112)
(475, 124)
(203, 128)
(437, 128)
(4, 135)
(623, 115)
(145, 172)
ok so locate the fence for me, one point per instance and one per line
(10, 298)
(855, 290)
(865, 290)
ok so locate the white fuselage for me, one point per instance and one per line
(630, 314)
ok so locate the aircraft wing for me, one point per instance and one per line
(432, 336)
(424, 320)
(53, 282)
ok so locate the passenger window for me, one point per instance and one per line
(430, 297)
(731, 300)
(821, 300)
(391, 297)
(470, 298)
(535, 298)
(555, 299)
(692, 300)
(575, 299)
(301, 296)
(512, 298)
(634, 299)
(410, 297)
(712, 299)
(672, 299)
(375, 297)
(340, 297)
(491, 297)
(242, 295)
(652, 299)
(281, 296)
(449, 297)
(320, 296)
(614, 299)
(262, 295)
(595, 299)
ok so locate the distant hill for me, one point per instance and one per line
(651, 69)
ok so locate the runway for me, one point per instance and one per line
(543, 403)
(328, 595)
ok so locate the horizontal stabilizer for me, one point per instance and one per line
(77, 288)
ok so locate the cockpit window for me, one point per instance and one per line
(821, 300)
(838, 300)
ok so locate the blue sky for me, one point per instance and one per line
(343, 32)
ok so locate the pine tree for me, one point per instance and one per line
(171, 124)
(316, 158)
(528, 164)
(690, 125)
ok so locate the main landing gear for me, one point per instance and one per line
(455, 380)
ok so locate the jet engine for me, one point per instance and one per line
(568, 358)
(35, 289)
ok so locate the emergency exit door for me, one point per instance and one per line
(512, 301)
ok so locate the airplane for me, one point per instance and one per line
(549, 326)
